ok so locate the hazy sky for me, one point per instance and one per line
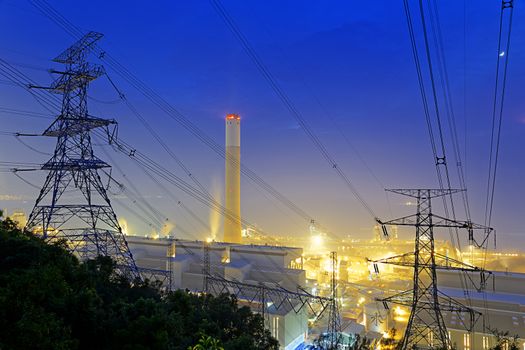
(347, 66)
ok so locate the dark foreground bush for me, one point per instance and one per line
(48, 300)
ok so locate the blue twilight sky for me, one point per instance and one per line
(347, 66)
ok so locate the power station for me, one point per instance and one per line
(337, 294)
(232, 202)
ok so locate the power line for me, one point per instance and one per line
(447, 97)
(438, 143)
(53, 102)
(497, 114)
(15, 77)
(165, 106)
(285, 99)
(433, 108)
(495, 138)
(333, 120)
(138, 198)
(157, 214)
(29, 114)
(25, 82)
(187, 188)
(24, 180)
(157, 138)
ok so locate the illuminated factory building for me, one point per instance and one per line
(251, 264)
(232, 222)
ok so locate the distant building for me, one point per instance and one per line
(19, 216)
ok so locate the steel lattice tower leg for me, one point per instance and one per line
(73, 203)
(334, 320)
(206, 269)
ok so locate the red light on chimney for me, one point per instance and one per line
(233, 116)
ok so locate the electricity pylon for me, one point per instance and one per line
(73, 203)
(426, 328)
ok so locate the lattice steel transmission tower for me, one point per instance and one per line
(334, 320)
(73, 203)
(426, 328)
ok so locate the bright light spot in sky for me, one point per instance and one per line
(502, 53)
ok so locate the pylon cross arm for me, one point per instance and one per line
(445, 302)
(409, 220)
(404, 298)
(440, 262)
(77, 126)
(406, 259)
(440, 221)
(424, 193)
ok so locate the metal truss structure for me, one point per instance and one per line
(261, 296)
(426, 328)
(334, 319)
(156, 275)
(205, 266)
(73, 204)
(264, 295)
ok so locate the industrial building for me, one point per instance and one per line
(251, 264)
(18, 216)
(503, 308)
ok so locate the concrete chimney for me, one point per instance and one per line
(232, 222)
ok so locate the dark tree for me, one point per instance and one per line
(49, 300)
(504, 341)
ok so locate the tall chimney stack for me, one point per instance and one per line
(232, 222)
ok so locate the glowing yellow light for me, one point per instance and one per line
(209, 240)
(317, 240)
(401, 319)
(399, 311)
(124, 225)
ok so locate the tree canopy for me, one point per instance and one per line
(50, 300)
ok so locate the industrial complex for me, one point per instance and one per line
(299, 287)
(402, 287)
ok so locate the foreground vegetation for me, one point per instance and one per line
(49, 300)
